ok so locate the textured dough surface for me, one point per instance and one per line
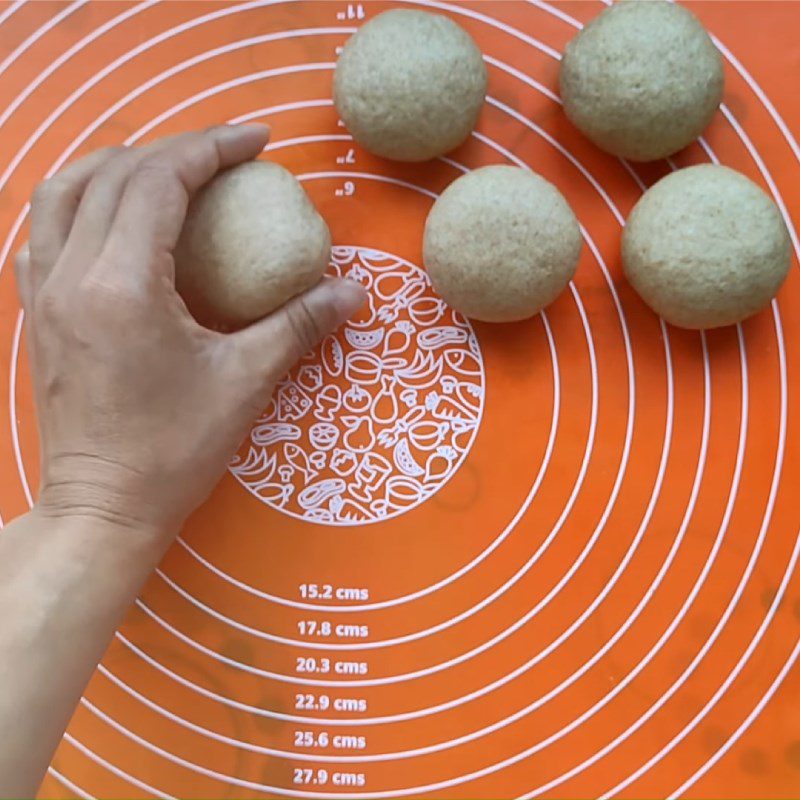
(251, 241)
(642, 80)
(706, 247)
(410, 85)
(501, 243)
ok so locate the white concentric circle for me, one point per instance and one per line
(648, 594)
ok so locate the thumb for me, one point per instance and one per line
(278, 341)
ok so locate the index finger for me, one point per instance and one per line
(54, 206)
(153, 207)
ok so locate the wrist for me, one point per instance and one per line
(102, 493)
(90, 532)
(95, 516)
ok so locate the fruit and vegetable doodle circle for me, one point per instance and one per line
(380, 416)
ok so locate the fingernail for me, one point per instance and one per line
(261, 127)
(239, 133)
(348, 297)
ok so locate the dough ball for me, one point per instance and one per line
(409, 85)
(251, 241)
(706, 247)
(501, 243)
(642, 80)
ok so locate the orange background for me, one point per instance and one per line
(709, 489)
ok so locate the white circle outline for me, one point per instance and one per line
(44, 29)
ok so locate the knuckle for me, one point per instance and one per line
(155, 167)
(302, 324)
(111, 172)
(158, 174)
(202, 149)
(102, 161)
(118, 164)
(22, 261)
(114, 150)
(49, 304)
(93, 163)
(48, 190)
(101, 294)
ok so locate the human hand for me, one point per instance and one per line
(139, 407)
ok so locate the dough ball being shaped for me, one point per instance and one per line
(409, 85)
(501, 243)
(705, 247)
(251, 241)
(642, 80)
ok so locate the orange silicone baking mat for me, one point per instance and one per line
(551, 559)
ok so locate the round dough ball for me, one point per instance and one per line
(501, 243)
(705, 247)
(251, 241)
(642, 80)
(409, 85)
